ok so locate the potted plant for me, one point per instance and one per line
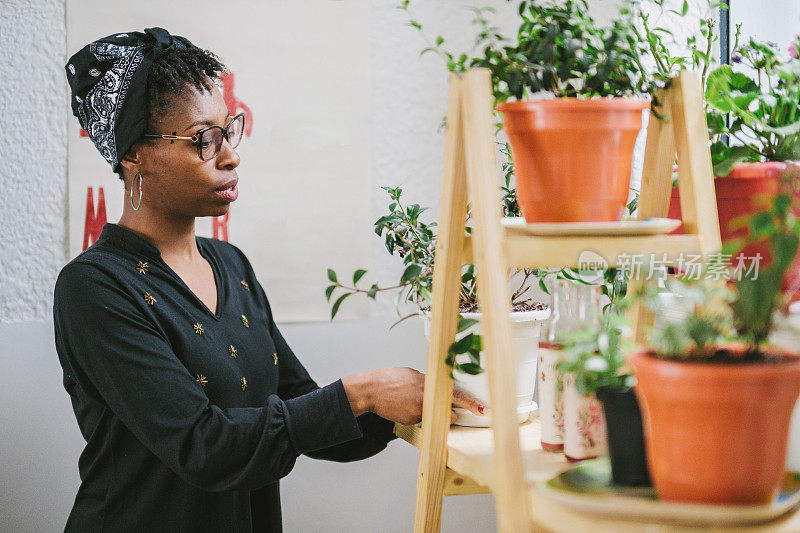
(757, 108)
(716, 398)
(407, 236)
(571, 93)
(573, 147)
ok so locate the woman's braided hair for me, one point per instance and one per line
(171, 72)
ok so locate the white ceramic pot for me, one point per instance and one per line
(584, 425)
(526, 326)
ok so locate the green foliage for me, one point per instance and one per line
(759, 295)
(742, 313)
(760, 111)
(702, 330)
(596, 355)
(560, 49)
(469, 344)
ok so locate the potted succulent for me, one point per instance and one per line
(716, 398)
(757, 108)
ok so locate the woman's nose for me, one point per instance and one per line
(228, 158)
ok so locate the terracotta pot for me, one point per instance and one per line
(572, 158)
(714, 432)
(748, 189)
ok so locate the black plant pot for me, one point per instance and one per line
(625, 436)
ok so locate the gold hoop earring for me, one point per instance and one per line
(136, 207)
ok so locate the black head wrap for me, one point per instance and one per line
(108, 81)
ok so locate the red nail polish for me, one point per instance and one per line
(482, 409)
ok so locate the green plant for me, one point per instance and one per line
(595, 355)
(760, 111)
(561, 50)
(742, 313)
(414, 242)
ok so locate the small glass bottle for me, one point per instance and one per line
(584, 425)
(548, 380)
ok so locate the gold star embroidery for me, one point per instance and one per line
(201, 379)
(142, 267)
(149, 298)
(245, 285)
(233, 351)
(198, 328)
(245, 322)
(244, 383)
(275, 358)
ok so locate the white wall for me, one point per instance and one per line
(777, 21)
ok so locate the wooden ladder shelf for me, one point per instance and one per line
(507, 459)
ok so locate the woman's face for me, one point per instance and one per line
(175, 180)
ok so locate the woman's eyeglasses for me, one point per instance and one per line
(209, 140)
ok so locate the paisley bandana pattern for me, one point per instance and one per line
(102, 104)
(108, 82)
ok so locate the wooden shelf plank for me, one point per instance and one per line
(469, 459)
(557, 517)
(470, 452)
(528, 251)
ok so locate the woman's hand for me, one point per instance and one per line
(396, 394)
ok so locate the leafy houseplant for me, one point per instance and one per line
(562, 52)
(716, 398)
(764, 107)
(407, 236)
(755, 104)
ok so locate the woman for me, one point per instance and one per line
(192, 404)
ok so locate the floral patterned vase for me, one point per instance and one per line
(551, 404)
(584, 426)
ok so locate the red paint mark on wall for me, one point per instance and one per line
(219, 227)
(95, 216)
(234, 104)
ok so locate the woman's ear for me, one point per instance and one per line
(130, 163)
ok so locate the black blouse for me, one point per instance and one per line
(190, 417)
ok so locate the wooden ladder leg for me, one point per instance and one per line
(654, 195)
(695, 172)
(511, 495)
(444, 322)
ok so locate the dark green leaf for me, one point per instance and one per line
(357, 275)
(338, 302)
(412, 271)
(470, 368)
(465, 323)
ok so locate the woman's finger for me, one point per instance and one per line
(462, 399)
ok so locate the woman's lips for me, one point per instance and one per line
(229, 194)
